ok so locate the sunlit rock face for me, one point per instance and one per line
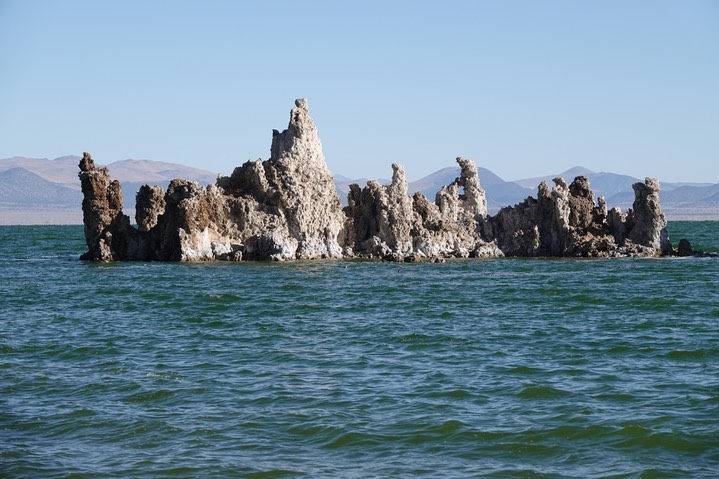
(283, 208)
(308, 199)
(287, 208)
(648, 224)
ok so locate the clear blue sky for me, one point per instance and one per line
(524, 88)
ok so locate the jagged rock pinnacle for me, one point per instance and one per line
(287, 207)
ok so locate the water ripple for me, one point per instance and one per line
(498, 368)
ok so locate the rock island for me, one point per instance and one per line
(287, 208)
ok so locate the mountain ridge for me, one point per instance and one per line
(37, 190)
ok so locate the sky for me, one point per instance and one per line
(524, 88)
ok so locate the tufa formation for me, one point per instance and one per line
(287, 208)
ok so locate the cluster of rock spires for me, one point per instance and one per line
(287, 208)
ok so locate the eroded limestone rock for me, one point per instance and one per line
(149, 205)
(564, 221)
(108, 233)
(388, 223)
(306, 190)
(648, 224)
(287, 208)
(283, 208)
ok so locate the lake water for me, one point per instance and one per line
(502, 368)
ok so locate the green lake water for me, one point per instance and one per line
(502, 368)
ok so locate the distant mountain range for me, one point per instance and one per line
(43, 191)
(699, 201)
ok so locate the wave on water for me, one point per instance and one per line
(472, 368)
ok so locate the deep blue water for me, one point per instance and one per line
(505, 368)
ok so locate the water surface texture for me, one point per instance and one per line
(503, 368)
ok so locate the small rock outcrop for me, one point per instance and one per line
(648, 224)
(108, 233)
(565, 221)
(386, 222)
(685, 249)
(287, 208)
